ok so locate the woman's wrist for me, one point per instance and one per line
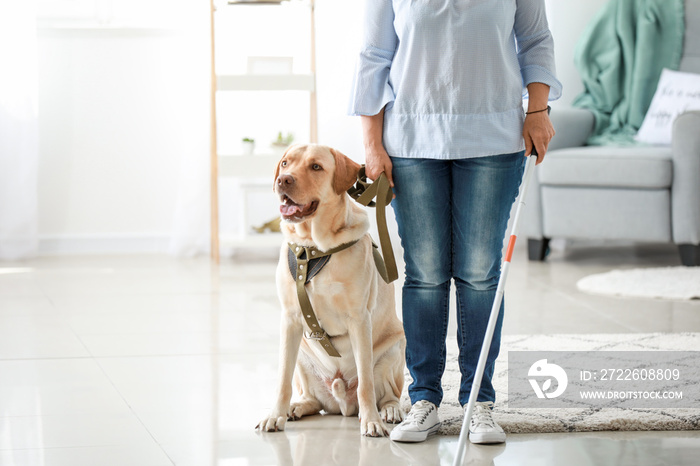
(542, 110)
(538, 98)
(373, 145)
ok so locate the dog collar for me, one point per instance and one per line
(305, 262)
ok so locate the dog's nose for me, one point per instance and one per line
(285, 180)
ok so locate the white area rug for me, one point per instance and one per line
(665, 283)
(522, 420)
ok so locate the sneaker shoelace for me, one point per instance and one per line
(482, 415)
(419, 412)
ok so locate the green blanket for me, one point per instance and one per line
(620, 57)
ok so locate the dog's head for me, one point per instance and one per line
(310, 175)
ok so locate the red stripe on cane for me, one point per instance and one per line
(511, 246)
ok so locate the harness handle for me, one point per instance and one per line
(364, 192)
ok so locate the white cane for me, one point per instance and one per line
(476, 383)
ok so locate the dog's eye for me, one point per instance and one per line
(284, 163)
(317, 167)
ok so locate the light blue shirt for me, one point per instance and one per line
(452, 74)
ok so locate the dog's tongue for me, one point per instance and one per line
(290, 209)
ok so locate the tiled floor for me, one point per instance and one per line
(151, 360)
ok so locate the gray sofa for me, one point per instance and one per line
(644, 194)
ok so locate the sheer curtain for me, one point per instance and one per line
(18, 129)
(191, 219)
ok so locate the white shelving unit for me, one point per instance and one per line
(262, 82)
(253, 172)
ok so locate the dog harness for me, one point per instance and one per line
(305, 262)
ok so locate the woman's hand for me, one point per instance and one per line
(537, 132)
(376, 162)
(376, 158)
(537, 129)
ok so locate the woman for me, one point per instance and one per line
(439, 87)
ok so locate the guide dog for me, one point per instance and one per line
(354, 306)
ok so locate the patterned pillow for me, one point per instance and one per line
(676, 93)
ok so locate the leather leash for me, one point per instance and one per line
(364, 192)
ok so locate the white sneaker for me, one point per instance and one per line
(420, 422)
(482, 427)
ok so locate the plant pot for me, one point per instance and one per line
(248, 147)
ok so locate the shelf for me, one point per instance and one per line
(262, 240)
(248, 166)
(253, 173)
(265, 82)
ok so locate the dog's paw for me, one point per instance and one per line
(303, 407)
(391, 413)
(296, 412)
(374, 429)
(272, 424)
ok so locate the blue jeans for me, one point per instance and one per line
(452, 216)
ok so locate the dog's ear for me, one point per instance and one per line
(345, 172)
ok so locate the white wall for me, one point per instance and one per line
(118, 109)
(339, 28)
(567, 20)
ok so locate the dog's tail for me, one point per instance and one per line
(339, 389)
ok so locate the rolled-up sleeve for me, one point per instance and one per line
(536, 46)
(371, 87)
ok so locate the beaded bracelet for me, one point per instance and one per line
(538, 111)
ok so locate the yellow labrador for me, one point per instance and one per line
(353, 304)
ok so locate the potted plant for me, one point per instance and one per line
(281, 144)
(248, 146)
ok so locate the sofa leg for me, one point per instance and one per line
(690, 254)
(537, 249)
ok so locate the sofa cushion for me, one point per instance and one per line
(606, 213)
(608, 166)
